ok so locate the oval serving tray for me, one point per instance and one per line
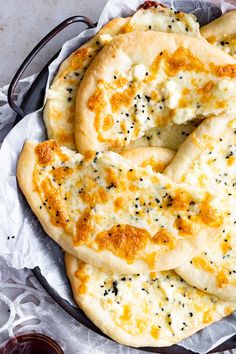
(33, 100)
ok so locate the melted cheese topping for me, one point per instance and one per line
(176, 88)
(218, 165)
(85, 197)
(63, 91)
(165, 309)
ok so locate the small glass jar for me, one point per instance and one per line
(31, 343)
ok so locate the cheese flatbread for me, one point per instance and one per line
(59, 111)
(110, 213)
(150, 309)
(222, 33)
(207, 159)
(142, 80)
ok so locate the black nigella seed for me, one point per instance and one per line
(115, 289)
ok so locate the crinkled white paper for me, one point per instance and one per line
(23, 241)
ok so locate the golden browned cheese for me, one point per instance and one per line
(209, 215)
(52, 199)
(120, 82)
(221, 104)
(119, 203)
(124, 98)
(221, 276)
(207, 88)
(93, 198)
(108, 122)
(181, 59)
(124, 241)
(207, 317)
(44, 151)
(96, 102)
(225, 70)
(222, 279)
(83, 278)
(89, 155)
(226, 245)
(132, 176)
(76, 61)
(112, 177)
(164, 237)
(183, 102)
(64, 138)
(126, 313)
(181, 200)
(157, 166)
(201, 263)
(211, 39)
(83, 228)
(155, 332)
(60, 173)
(231, 160)
(184, 227)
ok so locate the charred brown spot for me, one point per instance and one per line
(147, 4)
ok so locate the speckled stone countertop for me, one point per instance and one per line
(23, 23)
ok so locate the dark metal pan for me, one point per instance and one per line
(33, 100)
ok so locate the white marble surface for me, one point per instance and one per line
(23, 23)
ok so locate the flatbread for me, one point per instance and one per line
(222, 33)
(207, 159)
(150, 309)
(59, 111)
(143, 80)
(113, 214)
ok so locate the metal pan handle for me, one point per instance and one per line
(34, 52)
